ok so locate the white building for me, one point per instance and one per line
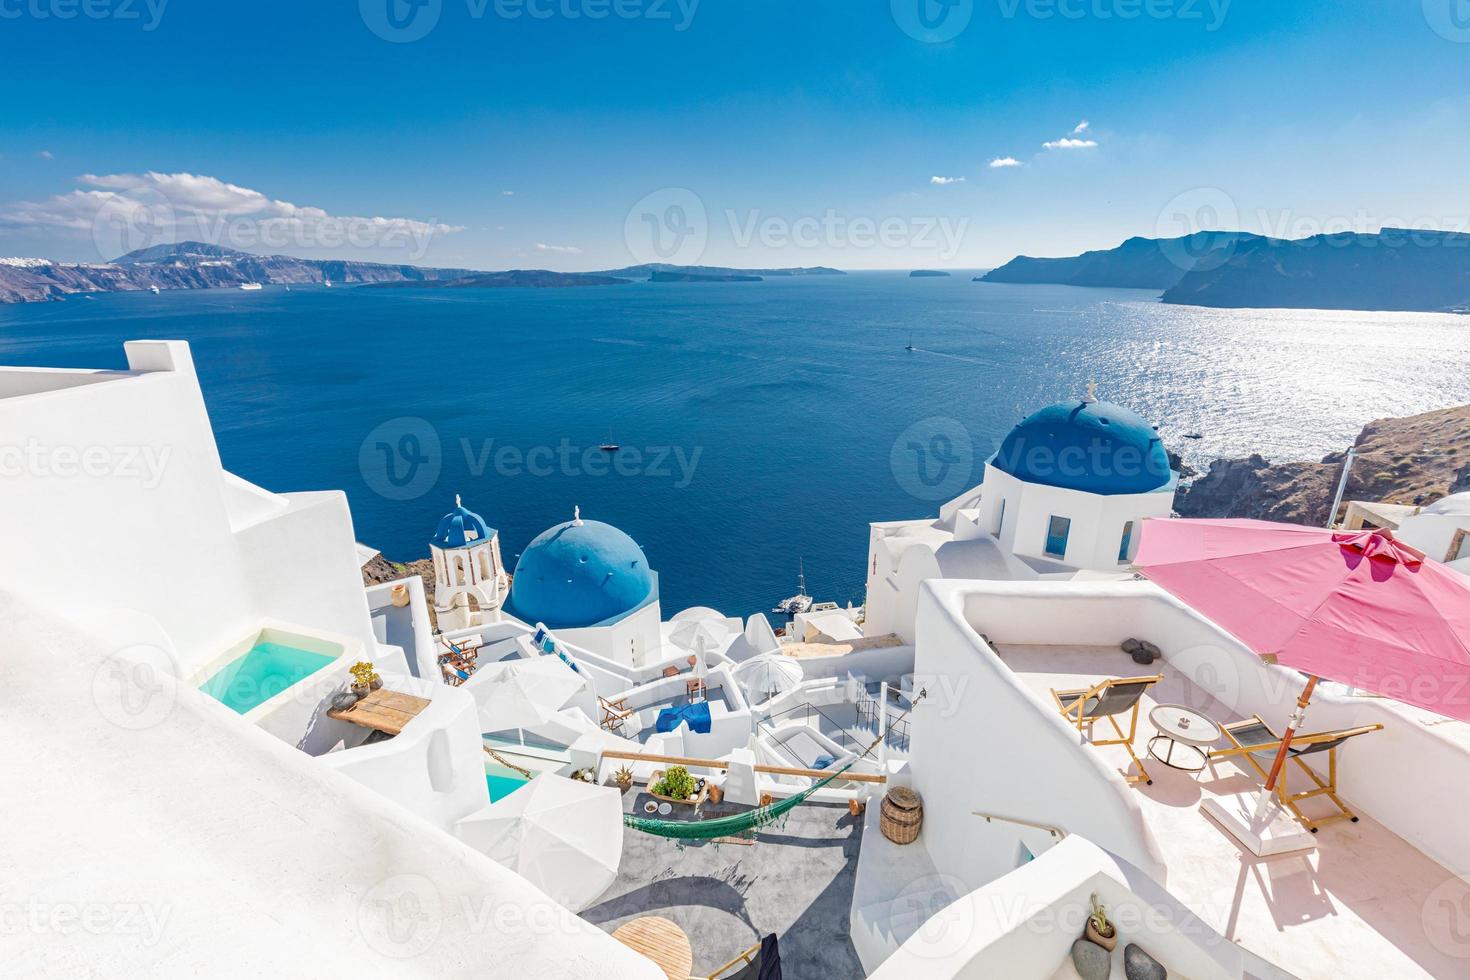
(1067, 491)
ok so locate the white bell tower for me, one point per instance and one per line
(470, 582)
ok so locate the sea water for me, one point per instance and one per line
(771, 421)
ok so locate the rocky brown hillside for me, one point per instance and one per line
(380, 570)
(1413, 460)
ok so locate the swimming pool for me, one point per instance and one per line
(501, 781)
(262, 672)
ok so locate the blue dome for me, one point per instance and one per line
(1096, 447)
(461, 528)
(581, 574)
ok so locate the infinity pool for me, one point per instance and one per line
(262, 672)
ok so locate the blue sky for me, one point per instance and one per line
(798, 132)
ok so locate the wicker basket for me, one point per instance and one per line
(901, 815)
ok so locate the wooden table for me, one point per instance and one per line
(660, 940)
(383, 710)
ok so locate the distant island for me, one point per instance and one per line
(668, 276)
(512, 279)
(928, 274)
(1393, 270)
(650, 270)
(199, 265)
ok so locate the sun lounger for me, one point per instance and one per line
(1108, 699)
(1254, 741)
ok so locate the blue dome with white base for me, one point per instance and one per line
(1088, 445)
(581, 573)
(461, 528)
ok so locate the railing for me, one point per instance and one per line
(869, 715)
(1055, 831)
(808, 711)
(678, 760)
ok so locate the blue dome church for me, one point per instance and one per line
(1072, 484)
(470, 582)
(591, 578)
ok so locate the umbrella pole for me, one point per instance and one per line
(1291, 727)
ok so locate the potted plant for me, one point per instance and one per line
(364, 678)
(624, 778)
(1099, 929)
(676, 786)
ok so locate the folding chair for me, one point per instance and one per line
(1108, 699)
(1253, 740)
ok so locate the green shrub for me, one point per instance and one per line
(676, 783)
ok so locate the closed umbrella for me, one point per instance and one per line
(687, 634)
(522, 693)
(562, 835)
(1357, 607)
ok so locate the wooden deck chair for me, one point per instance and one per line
(1108, 699)
(614, 713)
(761, 960)
(1253, 740)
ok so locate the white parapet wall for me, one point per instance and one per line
(982, 742)
(1024, 924)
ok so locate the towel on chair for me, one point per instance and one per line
(696, 715)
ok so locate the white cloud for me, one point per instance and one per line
(1067, 143)
(1001, 162)
(567, 249)
(508, 193)
(946, 180)
(184, 206)
(45, 155)
(1081, 127)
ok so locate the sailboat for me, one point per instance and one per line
(800, 602)
(609, 446)
(911, 342)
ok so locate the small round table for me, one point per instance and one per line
(660, 940)
(1186, 731)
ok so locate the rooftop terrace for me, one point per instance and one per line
(795, 880)
(1364, 903)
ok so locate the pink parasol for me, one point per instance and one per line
(1358, 607)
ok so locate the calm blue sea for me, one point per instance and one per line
(771, 421)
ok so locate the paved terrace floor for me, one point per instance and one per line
(1364, 904)
(795, 881)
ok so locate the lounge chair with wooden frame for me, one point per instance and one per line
(1107, 699)
(1253, 740)
(614, 713)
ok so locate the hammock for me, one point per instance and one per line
(739, 823)
(743, 823)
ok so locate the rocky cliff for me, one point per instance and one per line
(193, 265)
(1413, 460)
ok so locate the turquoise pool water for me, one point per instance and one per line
(262, 672)
(502, 781)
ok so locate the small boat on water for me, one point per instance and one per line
(1193, 435)
(911, 343)
(327, 283)
(799, 603)
(154, 290)
(610, 446)
(250, 287)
